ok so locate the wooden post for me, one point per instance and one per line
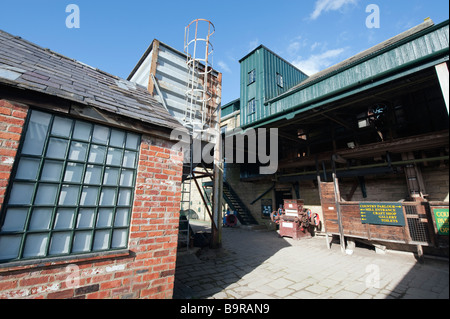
(216, 228)
(327, 238)
(338, 207)
(442, 74)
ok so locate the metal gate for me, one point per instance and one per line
(419, 224)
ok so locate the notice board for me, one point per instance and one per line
(389, 214)
(441, 218)
(266, 208)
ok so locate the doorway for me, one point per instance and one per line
(281, 195)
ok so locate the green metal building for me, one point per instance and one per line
(264, 76)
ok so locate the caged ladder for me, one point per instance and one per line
(186, 199)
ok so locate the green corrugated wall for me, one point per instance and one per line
(266, 65)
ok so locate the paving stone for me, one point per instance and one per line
(259, 265)
(317, 289)
(303, 294)
(258, 296)
(344, 294)
(284, 292)
(357, 288)
(280, 283)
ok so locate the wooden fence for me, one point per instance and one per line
(417, 226)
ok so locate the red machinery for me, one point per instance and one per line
(295, 221)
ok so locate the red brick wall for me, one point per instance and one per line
(12, 119)
(145, 271)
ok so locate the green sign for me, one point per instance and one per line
(389, 214)
(441, 218)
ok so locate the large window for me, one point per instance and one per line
(71, 191)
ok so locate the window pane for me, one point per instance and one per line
(35, 245)
(40, 219)
(59, 243)
(74, 173)
(114, 157)
(132, 141)
(9, 247)
(111, 176)
(119, 239)
(126, 178)
(46, 194)
(28, 168)
(21, 194)
(121, 219)
(129, 159)
(61, 126)
(97, 154)
(78, 151)
(57, 148)
(52, 170)
(93, 175)
(101, 240)
(36, 133)
(108, 197)
(15, 219)
(104, 217)
(82, 242)
(100, 134)
(86, 218)
(89, 196)
(117, 138)
(82, 131)
(69, 195)
(64, 218)
(124, 197)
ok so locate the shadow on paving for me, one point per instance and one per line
(203, 273)
(303, 269)
(425, 280)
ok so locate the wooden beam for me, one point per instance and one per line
(204, 201)
(153, 65)
(442, 74)
(337, 197)
(408, 144)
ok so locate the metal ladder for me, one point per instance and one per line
(186, 198)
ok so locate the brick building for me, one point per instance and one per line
(90, 183)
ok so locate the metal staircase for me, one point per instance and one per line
(243, 214)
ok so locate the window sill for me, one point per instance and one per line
(63, 260)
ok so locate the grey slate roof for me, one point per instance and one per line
(27, 66)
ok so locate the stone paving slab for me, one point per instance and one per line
(261, 265)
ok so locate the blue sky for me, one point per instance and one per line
(311, 34)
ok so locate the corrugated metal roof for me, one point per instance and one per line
(27, 66)
(415, 47)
